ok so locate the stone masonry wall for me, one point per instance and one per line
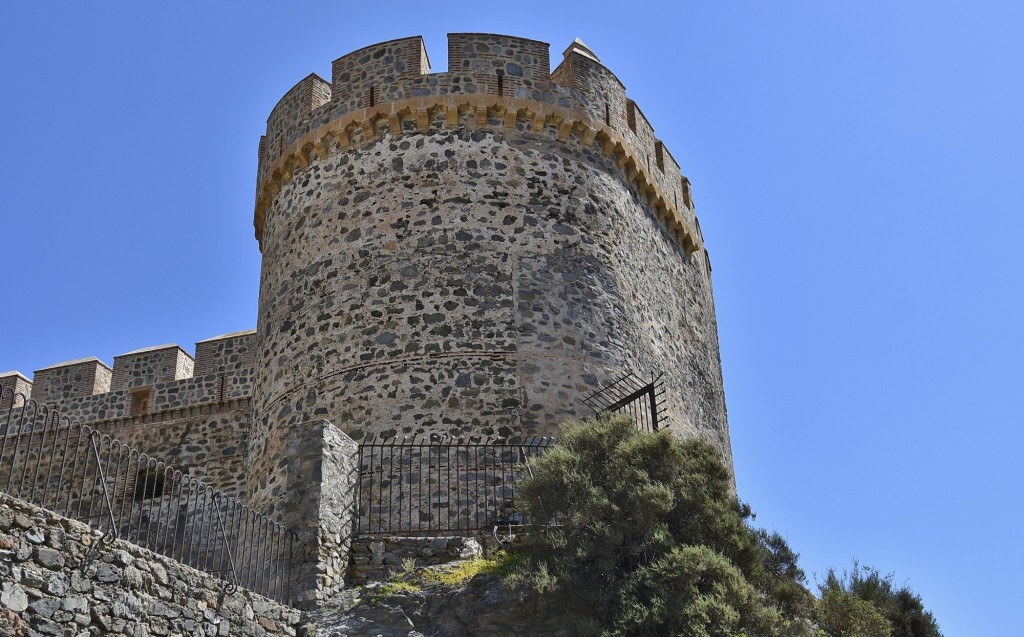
(11, 385)
(398, 69)
(475, 280)
(473, 266)
(68, 380)
(197, 424)
(150, 366)
(126, 590)
(316, 499)
(378, 557)
(208, 443)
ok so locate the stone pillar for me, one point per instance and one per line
(14, 389)
(323, 473)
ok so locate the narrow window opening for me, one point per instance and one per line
(631, 116)
(149, 484)
(373, 96)
(501, 82)
(607, 115)
(140, 402)
(659, 155)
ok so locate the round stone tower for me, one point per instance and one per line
(472, 252)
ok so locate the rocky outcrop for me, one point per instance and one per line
(484, 606)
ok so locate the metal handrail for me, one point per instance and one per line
(76, 471)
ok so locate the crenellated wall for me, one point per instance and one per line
(385, 67)
(86, 389)
(150, 366)
(192, 413)
(386, 86)
(73, 379)
(14, 387)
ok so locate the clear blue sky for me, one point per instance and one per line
(857, 169)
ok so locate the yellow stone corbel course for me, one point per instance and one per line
(508, 109)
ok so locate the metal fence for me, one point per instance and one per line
(630, 395)
(441, 485)
(78, 472)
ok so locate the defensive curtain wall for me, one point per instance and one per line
(457, 254)
(190, 412)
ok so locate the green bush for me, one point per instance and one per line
(692, 591)
(646, 530)
(842, 614)
(902, 609)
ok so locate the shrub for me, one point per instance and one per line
(646, 530)
(902, 609)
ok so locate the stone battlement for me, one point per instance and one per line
(142, 382)
(492, 81)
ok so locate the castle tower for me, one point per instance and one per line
(471, 252)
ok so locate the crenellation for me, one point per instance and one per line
(601, 95)
(376, 73)
(15, 388)
(383, 81)
(146, 367)
(146, 381)
(517, 64)
(72, 379)
(285, 121)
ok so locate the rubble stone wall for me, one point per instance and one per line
(125, 590)
(473, 281)
(376, 558)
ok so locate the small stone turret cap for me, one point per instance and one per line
(578, 46)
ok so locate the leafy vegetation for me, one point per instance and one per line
(900, 607)
(461, 572)
(645, 530)
(394, 587)
(411, 579)
(845, 615)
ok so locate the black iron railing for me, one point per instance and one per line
(441, 485)
(630, 395)
(79, 472)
